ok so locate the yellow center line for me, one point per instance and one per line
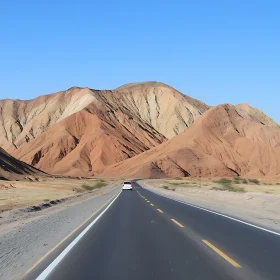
(177, 223)
(152, 204)
(160, 211)
(223, 255)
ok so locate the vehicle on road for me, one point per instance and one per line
(127, 185)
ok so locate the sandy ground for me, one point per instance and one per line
(15, 194)
(257, 207)
(26, 235)
(267, 186)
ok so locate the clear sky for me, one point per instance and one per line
(218, 51)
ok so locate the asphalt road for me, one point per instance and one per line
(145, 236)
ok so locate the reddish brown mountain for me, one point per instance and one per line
(255, 114)
(138, 130)
(81, 131)
(221, 142)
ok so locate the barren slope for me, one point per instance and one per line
(81, 131)
(12, 169)
(220, 143)
(164, 108)
(22, 121)
(87, 141)
(247, 111)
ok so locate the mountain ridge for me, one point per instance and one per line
(30, 128)
(83, 131)
(219, 144)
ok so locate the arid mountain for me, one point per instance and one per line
(83, 144)
(164, 108)
(138, 130)
(12, 169)
(219, 143)
(22, 121)
(255, 114)
(81, 131)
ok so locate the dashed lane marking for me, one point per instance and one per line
(222, 254)
(177, 223)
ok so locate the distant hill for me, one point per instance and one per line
(220, 143)
(137, 130)
(81, 131)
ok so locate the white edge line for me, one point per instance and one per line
(216, 213)
(52, 266)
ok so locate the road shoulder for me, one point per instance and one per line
(31, 236)
(246, 207)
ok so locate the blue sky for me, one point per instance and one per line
(216, 51)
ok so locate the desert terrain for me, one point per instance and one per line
(64, 155)
(138, 130)
(221, 143)
(17, 194)
(55, 144)
(52, 132)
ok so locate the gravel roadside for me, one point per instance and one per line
(259, 209)
(26, 237)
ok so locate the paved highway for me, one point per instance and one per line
(145, 236)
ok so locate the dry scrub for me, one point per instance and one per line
(234, 184)
(17, 194)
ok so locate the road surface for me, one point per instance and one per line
(145, 236)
